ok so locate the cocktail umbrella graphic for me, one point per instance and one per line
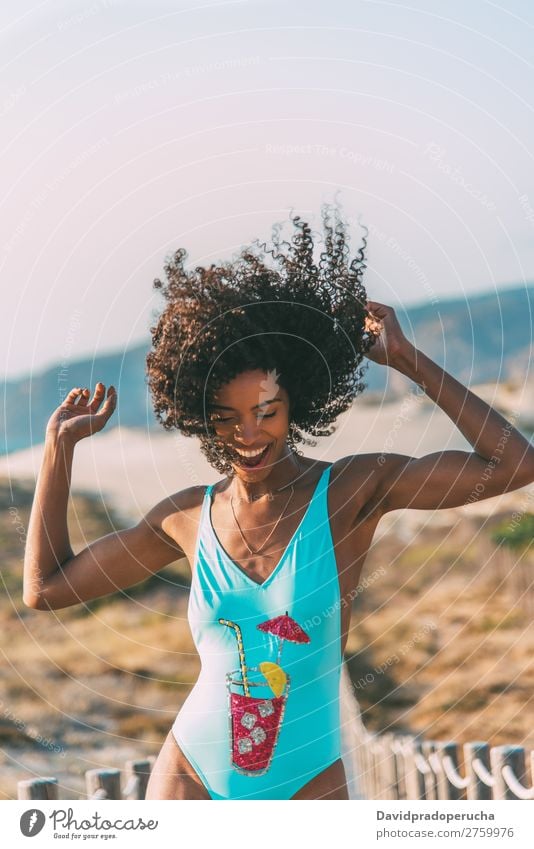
(285, 628)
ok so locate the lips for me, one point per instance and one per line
(251, 462)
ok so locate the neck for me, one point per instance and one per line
(286, 471)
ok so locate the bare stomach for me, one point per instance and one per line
(173, 777)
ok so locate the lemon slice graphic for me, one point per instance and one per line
(275, 675)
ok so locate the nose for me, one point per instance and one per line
(246, 433)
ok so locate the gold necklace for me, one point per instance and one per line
(258, 550)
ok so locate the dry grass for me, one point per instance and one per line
(103, 683)
(468, 675)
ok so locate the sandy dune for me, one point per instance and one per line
(134, 469)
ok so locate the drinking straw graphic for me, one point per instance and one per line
(241, 651)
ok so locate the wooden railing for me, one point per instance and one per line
(100, 783)
(391, 766)
(378, 766)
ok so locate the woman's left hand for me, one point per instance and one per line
(390, 341)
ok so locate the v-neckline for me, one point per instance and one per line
(278, 566)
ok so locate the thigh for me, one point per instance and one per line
(172, 776)
(331, 783)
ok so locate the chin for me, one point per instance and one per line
(253, 474)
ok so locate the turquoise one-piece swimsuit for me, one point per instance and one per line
(224, 610)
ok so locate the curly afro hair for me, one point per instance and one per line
(303, 318)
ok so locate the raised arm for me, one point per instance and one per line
(113, 562)
(54, 577)
(501, 460)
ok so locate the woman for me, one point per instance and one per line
(247, 356)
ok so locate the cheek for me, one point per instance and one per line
(279, 426)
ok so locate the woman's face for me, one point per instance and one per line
(251, 418)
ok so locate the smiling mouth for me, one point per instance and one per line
(250, 460)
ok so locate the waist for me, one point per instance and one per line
(316, 682)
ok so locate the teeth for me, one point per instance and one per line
(250, 453)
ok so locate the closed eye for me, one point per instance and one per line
(229, 419)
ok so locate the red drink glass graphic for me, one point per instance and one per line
(254, 724)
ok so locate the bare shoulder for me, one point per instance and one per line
(172, 515)
(356, 483)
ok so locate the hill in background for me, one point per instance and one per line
(477, 338)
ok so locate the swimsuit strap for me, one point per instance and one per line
(318, 504)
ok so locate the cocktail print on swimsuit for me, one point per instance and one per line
(254, 723)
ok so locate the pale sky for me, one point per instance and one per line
(133, 127)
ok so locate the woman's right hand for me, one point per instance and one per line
(77, 417)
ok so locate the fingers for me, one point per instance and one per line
(111, 400)
(109, 404)
(79, 397)
(84, 398)
(370, 306)
(376, 317)
(98, 396)
(376, 308)
(73, 395)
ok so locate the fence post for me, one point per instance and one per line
(371, 748)
(38, 788)
(350, 735)
(431, 786)
(371, 772)
(382, 760)
(478, 770)
(397, 748)
(395, 769)
(388, 774)
(415, 769)
(359, 743)
(451, 784)
(137, 775)
(103, 783)
(367, 764)
(509, 771)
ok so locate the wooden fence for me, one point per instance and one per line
(100, 783)
(386, 767)
(391, 766)
(378, 766)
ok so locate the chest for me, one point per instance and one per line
(292, 562)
